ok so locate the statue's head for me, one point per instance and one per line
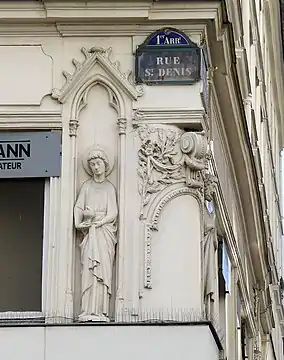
(98, 162)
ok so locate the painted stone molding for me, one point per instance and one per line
(103, 57)
(95, 215)
(168, 155)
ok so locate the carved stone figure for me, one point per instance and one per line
(95, 215)
(210, 248)
(210, 265)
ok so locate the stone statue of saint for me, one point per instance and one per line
(210, 264)
(95, 215)
(210, 249)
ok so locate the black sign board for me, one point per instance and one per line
(167, 56)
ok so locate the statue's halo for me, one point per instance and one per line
(98, 147)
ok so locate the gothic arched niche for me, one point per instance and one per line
(94, 99)
(98, 125)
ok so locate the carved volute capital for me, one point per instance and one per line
(137, 118)
(194, 147)
(121, 123)
(73, 126)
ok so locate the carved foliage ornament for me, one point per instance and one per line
(156, 164)
(168, 156)
(103, 57)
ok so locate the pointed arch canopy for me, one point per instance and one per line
(115, 96)
(77, 80)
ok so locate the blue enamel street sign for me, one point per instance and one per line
(167, 56)
(30, 154)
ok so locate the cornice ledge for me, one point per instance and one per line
(21, 10)
(102, 56)
(193, 118)
(60, 10)
(97, 9)
(30, 120)
(194, 10)
(69, 28)
(20, 30)
(74, 9)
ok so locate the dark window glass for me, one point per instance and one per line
(21, 234)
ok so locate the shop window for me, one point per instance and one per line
(21, 239)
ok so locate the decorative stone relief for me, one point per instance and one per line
(209, 264)
(99, 70)
(95, 215)
(170, 158)
(194, 147)
(103, 57)
(121, 123)
(210, 244)
(167, 156)
(157, 167)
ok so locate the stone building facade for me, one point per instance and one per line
(160, 234)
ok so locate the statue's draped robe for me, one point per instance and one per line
(210, 265)
(97, 247)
